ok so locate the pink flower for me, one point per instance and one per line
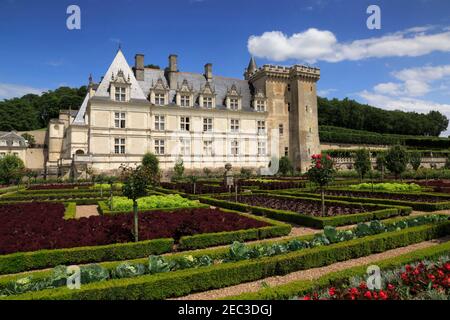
(368, 295)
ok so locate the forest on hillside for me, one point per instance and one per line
(32, 112)
(350, 114)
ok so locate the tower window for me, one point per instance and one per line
(289, 106)
(286, 151)
(281, 129)
(289, 87)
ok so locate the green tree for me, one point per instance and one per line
(178, 170)
(362, 162)
(415, 159)
(246, 173)
(285, 166)
(12, 169)
(321, 173)
(134, 187)
(151, 164)
(30, 139)
(397, 160)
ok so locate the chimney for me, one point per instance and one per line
(173, 71)
(139, 67)
(208, 71)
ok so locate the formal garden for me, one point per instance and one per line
(234, 235)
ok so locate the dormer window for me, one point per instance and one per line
(121, 94)
(160, 99)
(259, 101)
(233, 99)
(185, 95)
(207, 102)
(120, 87)
(234, 104)
(185, 101)
(159, 93)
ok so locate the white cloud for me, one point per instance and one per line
(326, 92)
(9, 90)
(314, 45)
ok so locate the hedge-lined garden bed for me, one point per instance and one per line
(35, 235)
(363, 212)
(302, 288)
(418, 201)
(178, 283)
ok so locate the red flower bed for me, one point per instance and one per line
(59, 186)
(35, 226)
(412, 282)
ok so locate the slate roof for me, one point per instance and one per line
(220, 85)
(11, 136)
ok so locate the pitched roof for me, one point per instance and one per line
(79, 118)
(120, 64)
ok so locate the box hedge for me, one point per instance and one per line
(311, 221)
(183, 282)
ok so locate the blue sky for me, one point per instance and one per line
(405, 65)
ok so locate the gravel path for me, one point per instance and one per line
(309, 274)
(86, 211)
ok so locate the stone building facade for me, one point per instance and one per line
(204, 119)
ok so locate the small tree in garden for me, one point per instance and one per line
(134, 187)
(29, 174)
(285, 166)
(321, 173)
(397, 160)
(178, 170)
(193, 179)
(415, 159)
(381, 164)
(362, 162)
(151, 164)
(111, 180)
(12, 169)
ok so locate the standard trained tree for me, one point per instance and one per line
(321, 173)
(285, 166)
(134, 187)
(381, 164)
(362, 162)
(397, 160)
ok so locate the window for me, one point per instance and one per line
(207, 102)
(289, 87)
(260, 105)
(185, 147)
(119, 120)
(160, 99)
(207, 124)
(207, 148)
(261, 148)
(307, 109)
(185, 123)
(310, 130)
(234, 126)
(234, 147)
(281, 129)
(119, 145)
(160, 123)
(261, 127)
(120, 93)
(185, 101)
(159, 147)
(234, 104)
(286, 151)
(289, 107)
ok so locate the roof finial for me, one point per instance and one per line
(90, 78)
